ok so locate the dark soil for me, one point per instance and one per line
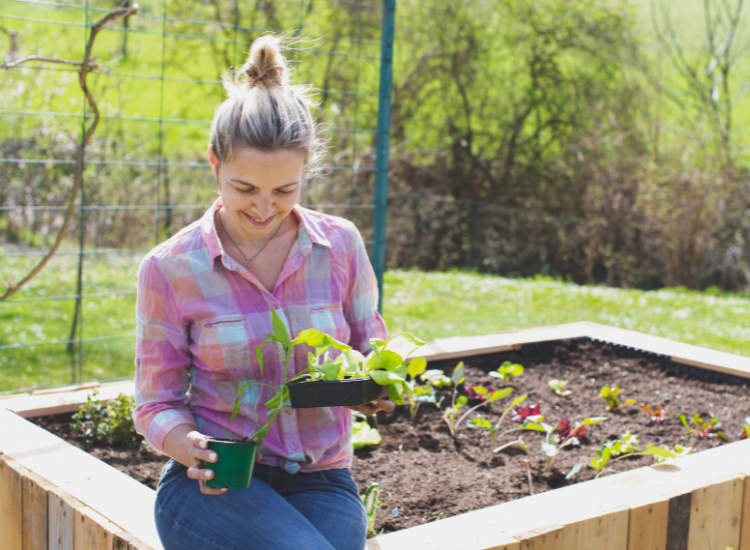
(425, 474)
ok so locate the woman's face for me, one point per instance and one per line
(258, 189)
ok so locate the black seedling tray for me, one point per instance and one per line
(335, 393)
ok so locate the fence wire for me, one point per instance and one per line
(146, 174)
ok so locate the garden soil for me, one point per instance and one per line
(425, 475)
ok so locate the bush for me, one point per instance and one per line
(106, 424)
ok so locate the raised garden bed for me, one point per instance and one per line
(429, 460)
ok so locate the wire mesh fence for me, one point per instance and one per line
(145, 172)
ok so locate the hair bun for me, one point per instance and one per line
(265, 65)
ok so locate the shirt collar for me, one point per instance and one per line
(311, 230)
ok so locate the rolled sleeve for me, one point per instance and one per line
(361, 306)
(162, 358)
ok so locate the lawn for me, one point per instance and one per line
(431, 305)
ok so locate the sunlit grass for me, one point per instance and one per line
(431, 305)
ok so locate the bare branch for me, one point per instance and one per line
(85, 69)
(18, 62)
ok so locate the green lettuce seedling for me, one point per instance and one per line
(558, 386)
(551, 445)
(699, 428)
(506, 370)
(436, 378)
(450, 415)
(372, 502)
(419, 393)
(494, 429)
(385, 365)
(611, 394)
(616, 449)
(362, 433)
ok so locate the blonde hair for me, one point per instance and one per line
(263, 111)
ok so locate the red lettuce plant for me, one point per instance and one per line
(657, 413)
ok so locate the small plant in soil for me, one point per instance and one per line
(494, 429)
(657, 414)
(420, 393)
(558, 387)
(457, 401)
(697, 427)
(562, 435)
(745, 433)
(616, 449)
(372, 502)
(362, 433)
(611, 394)
(436, 378)
(106, 424)
(506, 370)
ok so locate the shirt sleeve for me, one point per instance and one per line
(361, 306)
(161, 358)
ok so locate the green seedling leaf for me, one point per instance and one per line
(575, 470)
(385, 360)
(395, 392)
(458, 374)
(593, 420)
(277, 400)
(549, 449)
(630, 402)
(461, 401)
(331, 371)
(499, 394)
(558, 387)
(363, 434)
(518, 400)
(384, 377)
(280, 331)
(417, 366)
(480, 423)
(662, 452)
(403, 344)
(317, 339)
(506, 370)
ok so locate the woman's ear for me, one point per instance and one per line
(213, 160)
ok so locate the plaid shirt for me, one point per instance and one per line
(200, 316)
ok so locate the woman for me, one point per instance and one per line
(205, 298)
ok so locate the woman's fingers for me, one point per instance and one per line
(368, 409)
(199, 449)
(202, 475)
(211, 490)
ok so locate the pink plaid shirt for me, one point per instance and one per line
(200, 316)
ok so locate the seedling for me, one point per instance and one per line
(436, 378)
(457, 401)
(664, 453)
(506, 370)
(372, 503)
(611, 394)
(616, 450)
(494, 429)
(745, 433)
(362, 433)
(657, 413)
(699, 428)
(106, 423)
(566, 436)
(558, 386)
(419, 393)
(521, 414)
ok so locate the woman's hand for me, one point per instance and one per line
(369, 409)
(201, 453)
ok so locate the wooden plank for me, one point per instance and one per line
(745, 526)
(715, 515)
(61, 519)
(550, 537)
(647, 528)
(34, 513)
(678, 523)
(113, 494)
(608, 531)
(57, 402)
(65, 389)
(92, 531)
(505, 544)
(11, 495)
(126, 541)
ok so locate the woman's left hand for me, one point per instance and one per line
(369, 409)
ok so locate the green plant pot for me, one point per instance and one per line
(335, 393)
(234, 469)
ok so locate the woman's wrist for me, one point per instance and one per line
(176, 445)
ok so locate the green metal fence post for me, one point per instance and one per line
(383, 143)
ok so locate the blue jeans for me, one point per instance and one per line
(280, 511)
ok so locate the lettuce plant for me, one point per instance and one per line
(371, 500)
(616, 449)
(611, 394)
(745, 433)
(506, 370)
(419, 393)
(494, 429)
(567, 436)
(385, 365)
(699, 428)
(657, 413)
(362, 433)
(436, 378)
(664, 453)
(558, 387)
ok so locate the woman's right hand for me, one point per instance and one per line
(201, 453)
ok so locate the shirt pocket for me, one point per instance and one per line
(329, 318)
(223, 343)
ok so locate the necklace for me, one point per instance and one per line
(248, 263)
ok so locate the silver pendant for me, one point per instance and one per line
(249, 264)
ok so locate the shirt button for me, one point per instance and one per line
(294, 446)
(276, 305)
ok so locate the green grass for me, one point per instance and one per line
(431, 305)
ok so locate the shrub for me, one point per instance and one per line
(97, 423)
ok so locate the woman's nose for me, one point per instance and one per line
(264, 207)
